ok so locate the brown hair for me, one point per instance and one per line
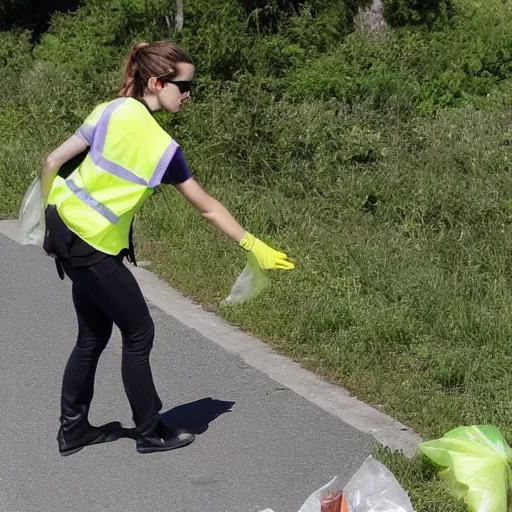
(148, 60)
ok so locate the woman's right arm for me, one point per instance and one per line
(66, 151)
(214, 212)
(179, 175)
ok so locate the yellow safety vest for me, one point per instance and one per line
(129, 154)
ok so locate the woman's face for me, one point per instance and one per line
(169, 95)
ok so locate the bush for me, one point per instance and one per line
(431, 13)
(414, 70)
(215, 33)
(15, 51)
(273, 16)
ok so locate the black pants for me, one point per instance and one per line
(105, 294)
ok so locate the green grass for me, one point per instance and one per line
(419, 478)
(408, 307)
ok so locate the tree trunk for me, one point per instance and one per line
(372, 18)
(179, 17)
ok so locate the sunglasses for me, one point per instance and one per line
(183, 85)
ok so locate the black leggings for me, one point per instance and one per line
(104, 294)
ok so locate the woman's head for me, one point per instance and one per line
(159, 72)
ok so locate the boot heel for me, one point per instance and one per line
(72, 452)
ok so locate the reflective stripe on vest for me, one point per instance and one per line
(97, 139)
(89, 200)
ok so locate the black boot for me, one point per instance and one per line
(163, 438)
(71, 442)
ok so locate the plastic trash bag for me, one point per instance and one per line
(475, 463)
(374, 489)
(31, 216)
(249, 284)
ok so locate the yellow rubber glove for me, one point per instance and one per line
(266, 257)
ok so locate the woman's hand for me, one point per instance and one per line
(266, 257)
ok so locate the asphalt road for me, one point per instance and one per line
(259, 444)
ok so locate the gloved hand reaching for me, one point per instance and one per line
(266, 257)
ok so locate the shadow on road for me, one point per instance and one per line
(197, 416)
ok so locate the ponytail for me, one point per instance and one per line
(131, 72)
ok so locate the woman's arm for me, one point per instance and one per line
(219, 216)
(211, 209)
(66, 151)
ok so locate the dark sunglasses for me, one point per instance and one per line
(183, 85)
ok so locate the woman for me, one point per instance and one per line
(123, 155)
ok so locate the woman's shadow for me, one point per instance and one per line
(195, 416)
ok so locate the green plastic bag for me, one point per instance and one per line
(475, 463)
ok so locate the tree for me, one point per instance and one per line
(32, 14)
(179, 18)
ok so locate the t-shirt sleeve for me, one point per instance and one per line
(86, 131)
(177, 172)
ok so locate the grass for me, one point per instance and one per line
(408, 307)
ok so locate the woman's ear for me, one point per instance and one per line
(155, 85)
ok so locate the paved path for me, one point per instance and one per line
(259, 444)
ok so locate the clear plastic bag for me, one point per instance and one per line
(249, 284)
(474, 462)
(31, 216)
(374, 489)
